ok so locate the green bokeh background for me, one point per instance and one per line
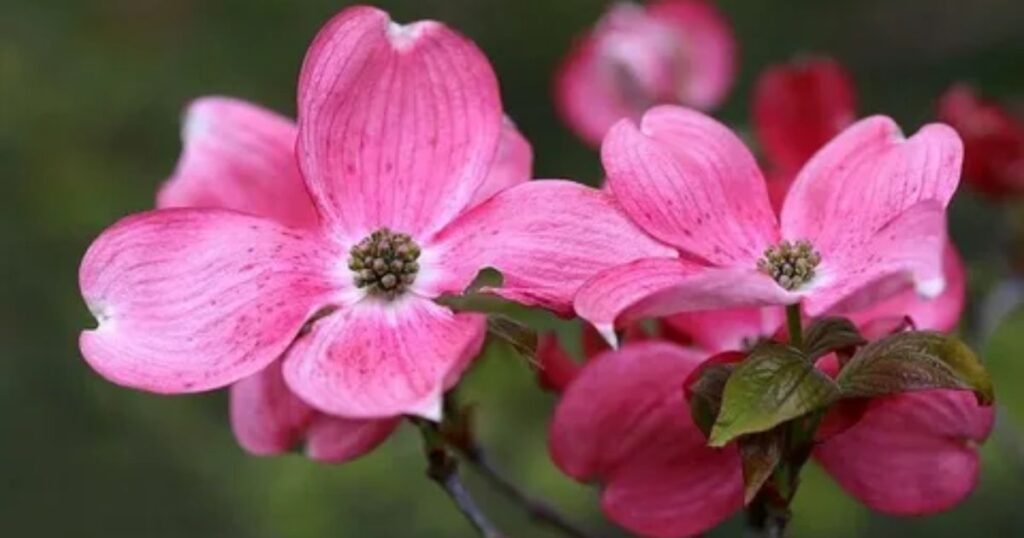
(90, 97)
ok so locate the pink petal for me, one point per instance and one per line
(333, 439)
(239, 156)
(658, 287)
(512, 165)
(894, 298)
(910, 246)
(689, 181)
(799, 106)
(266, 417)
(674, 51)
(398, 125)
(729, 329)
(195, 299)
(711, 46)
(911, 454)
(858, 186)
(555, 368)
(377, 359)
(269, 419)
(546, 237)
(624, 423)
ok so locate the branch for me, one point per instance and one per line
(443, 469)
(538, 510)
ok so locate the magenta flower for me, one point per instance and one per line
(619, 423)
(797, 108)
(397, 133)
(868, 205)
(669, 51)
(994, 138)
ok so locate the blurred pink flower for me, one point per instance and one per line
(619, 423)
(870, 204)
(993, 141)
(797, 108)
(669, 51)
(395, 146)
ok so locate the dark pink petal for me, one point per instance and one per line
(911, 454)
(239, 156)
(555, 368)
(910, 246)
(266, 417)
(993, 141)
(848, 199)
(377, 359)
(333, 439)
(799, 107)
(625, 424)
(398, 125)
(546, 237)
(673, 51)
(195, 299)
(690, 182)
(894, 297)
(512, 165)
(728, 329)
(660, 286)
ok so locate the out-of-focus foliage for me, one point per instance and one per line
(90, 95)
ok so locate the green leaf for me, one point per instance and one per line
(776, 383)
(917, 360)
(761, 454)
(475, 300)
(706, 394)
(522, 338)
(828, 334)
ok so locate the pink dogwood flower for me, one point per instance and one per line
(622, 422)
(797, 108)
(398, 128)
(669, 51)
(870, 204)
(993, 138)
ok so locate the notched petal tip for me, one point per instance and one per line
(403, 36)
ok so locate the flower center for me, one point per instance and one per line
(384, 263)
(790, 264)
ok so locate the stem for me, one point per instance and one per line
(795, 325)
(538, 510)
(443, 469)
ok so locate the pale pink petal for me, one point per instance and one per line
(894, 297)
(589, 108)
(512, 165)
(911, 454)
(381, 359)
(195, 299)
(689, 181)
(239, 156)
(910, 246)
(398, 125)
(333, 439)
(708, 45)
(624, 423)
(728, 329)
(659, 287)
(546, 237)
(672, 52)
(858, 186)
(266, 417)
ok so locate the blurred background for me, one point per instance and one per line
(90, 97)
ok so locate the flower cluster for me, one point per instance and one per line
(306, 264)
